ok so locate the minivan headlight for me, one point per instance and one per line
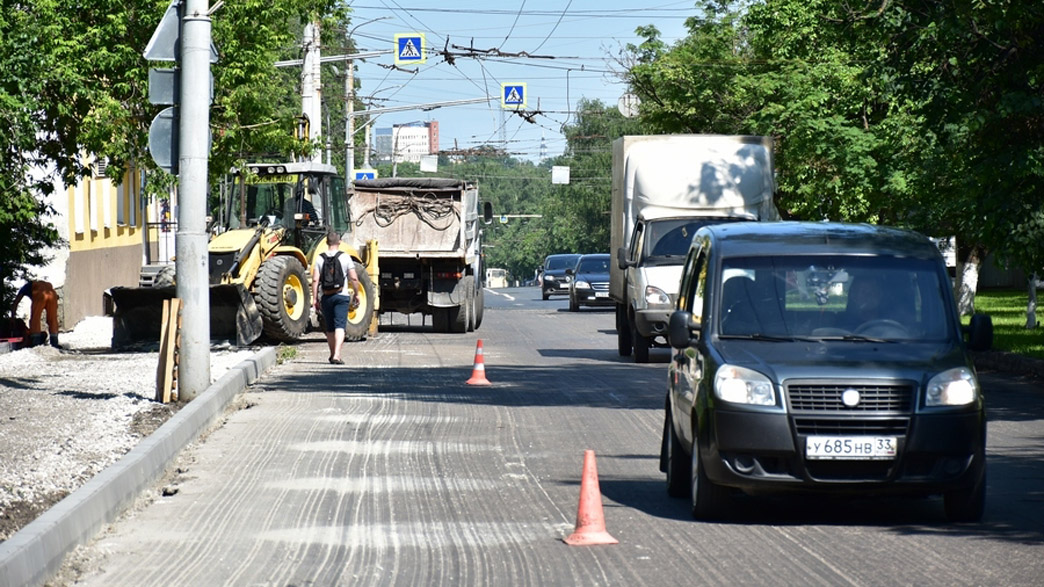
(581, 284)
(740, 385)
(956, 387)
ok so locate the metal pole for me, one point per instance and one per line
(191, 242)
(349, 126)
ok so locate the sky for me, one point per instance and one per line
(572, 43)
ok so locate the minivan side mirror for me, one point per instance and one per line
(979, 332)
(622, 258)
(681, 328)
(570, 271)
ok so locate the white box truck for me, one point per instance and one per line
(664, 188)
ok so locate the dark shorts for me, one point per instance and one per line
(335, 311)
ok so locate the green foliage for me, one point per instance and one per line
(925, 113)
(1007, 309)
(73, 81)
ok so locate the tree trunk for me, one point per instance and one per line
(968, 280)
(1031, 307)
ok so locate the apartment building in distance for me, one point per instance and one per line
(406, 142)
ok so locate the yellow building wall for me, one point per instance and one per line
(104, 215)
(106, 224)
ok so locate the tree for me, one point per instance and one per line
(73, 81)
(923, 113)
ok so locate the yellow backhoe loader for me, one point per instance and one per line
(268, 233)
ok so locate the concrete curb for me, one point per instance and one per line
(1008, 363)
(36, 552)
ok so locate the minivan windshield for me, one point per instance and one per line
(848, 298)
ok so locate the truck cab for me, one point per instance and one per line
(653, 266)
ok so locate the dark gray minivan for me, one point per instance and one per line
(822, 357)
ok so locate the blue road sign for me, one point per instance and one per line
(513, 95)
(372, 174)
(410, 48)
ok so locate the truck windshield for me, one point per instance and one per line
(669, 239)
(848, 298)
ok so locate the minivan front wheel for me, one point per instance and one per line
(677, 461)
(708, 499)
(966, 505)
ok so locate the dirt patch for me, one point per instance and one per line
(148, 421)
(17, 515)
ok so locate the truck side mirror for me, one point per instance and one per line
(980, 333)
(487, 212)
(680, 330)
(622, 259)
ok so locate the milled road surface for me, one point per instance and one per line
(392, 471)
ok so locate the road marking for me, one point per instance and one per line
(507, 297)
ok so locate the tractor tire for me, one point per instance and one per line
(282, 295)
(361, 317)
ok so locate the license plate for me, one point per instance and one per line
(601, 294)
(857, 448)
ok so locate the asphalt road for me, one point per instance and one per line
(392, 471)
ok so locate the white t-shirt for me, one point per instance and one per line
(345, 261)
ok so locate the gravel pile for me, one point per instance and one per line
(66, 414)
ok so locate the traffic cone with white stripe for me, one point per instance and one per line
(590, 521)
(478, 373)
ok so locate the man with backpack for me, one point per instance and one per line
(331, 274)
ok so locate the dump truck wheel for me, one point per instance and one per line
(165, 277)
(282, 296)
(480, 306)
(469, 289)
(460, 316)
(440, 319)
(360, 318)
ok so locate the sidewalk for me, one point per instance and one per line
(36, 552)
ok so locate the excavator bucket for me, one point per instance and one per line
(138, 315)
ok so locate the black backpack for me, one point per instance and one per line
(331, 280)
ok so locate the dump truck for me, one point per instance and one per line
(266, 235)
(664, 188)
(430, 246)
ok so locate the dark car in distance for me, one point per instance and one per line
(590, 282)
(822, 357)
(553, 277)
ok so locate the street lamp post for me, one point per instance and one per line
(349, 93)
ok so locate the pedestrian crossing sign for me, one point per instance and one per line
(513, 95)
(410, 49)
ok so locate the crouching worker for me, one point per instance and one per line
(44, 298)
(332, 275)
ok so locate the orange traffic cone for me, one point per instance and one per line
(590, 522)
(478, 373)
